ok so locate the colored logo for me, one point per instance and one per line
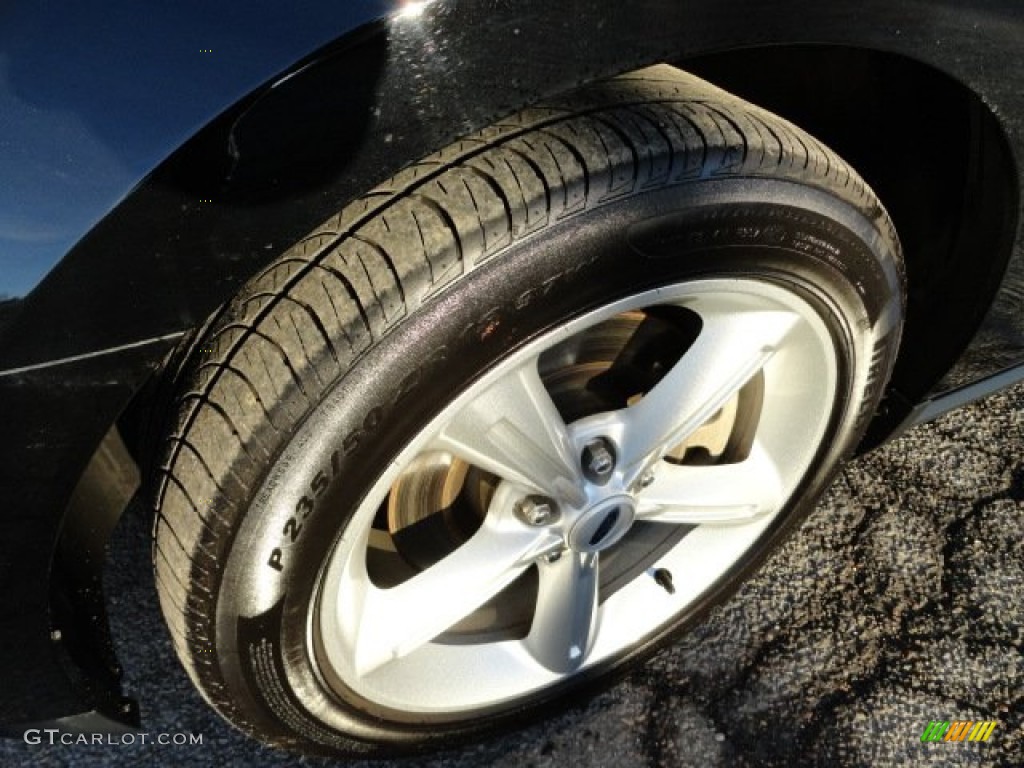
(958, 730)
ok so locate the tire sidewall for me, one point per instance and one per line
(794, 235)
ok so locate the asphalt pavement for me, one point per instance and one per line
(899, 602)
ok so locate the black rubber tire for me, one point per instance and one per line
(413, 290)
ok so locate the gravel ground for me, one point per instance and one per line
(900, 601)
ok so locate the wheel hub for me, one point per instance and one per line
(603, 524)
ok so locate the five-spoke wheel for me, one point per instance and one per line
(696, 410)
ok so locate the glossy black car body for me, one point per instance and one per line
(152, 160)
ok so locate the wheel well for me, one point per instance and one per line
(937, 158)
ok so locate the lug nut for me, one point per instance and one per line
(537, 510)
(598, 461)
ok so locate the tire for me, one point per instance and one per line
(639, 326)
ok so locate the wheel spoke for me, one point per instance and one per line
(395, 622)
(514, 430)
(724, 493)
(731, 348)
(563, 625)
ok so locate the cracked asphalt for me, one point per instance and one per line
(900, 601)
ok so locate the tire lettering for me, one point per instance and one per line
(292, 529)
(372, 420)
(408, 384)
(370, 423)
(351, 441)
(321, 481)
(527, 297)
(275, 560)
(318, 486)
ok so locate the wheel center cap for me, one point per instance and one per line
(603, 524)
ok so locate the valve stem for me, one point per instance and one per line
(663, 578)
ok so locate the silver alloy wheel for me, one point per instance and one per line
(391, 644)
